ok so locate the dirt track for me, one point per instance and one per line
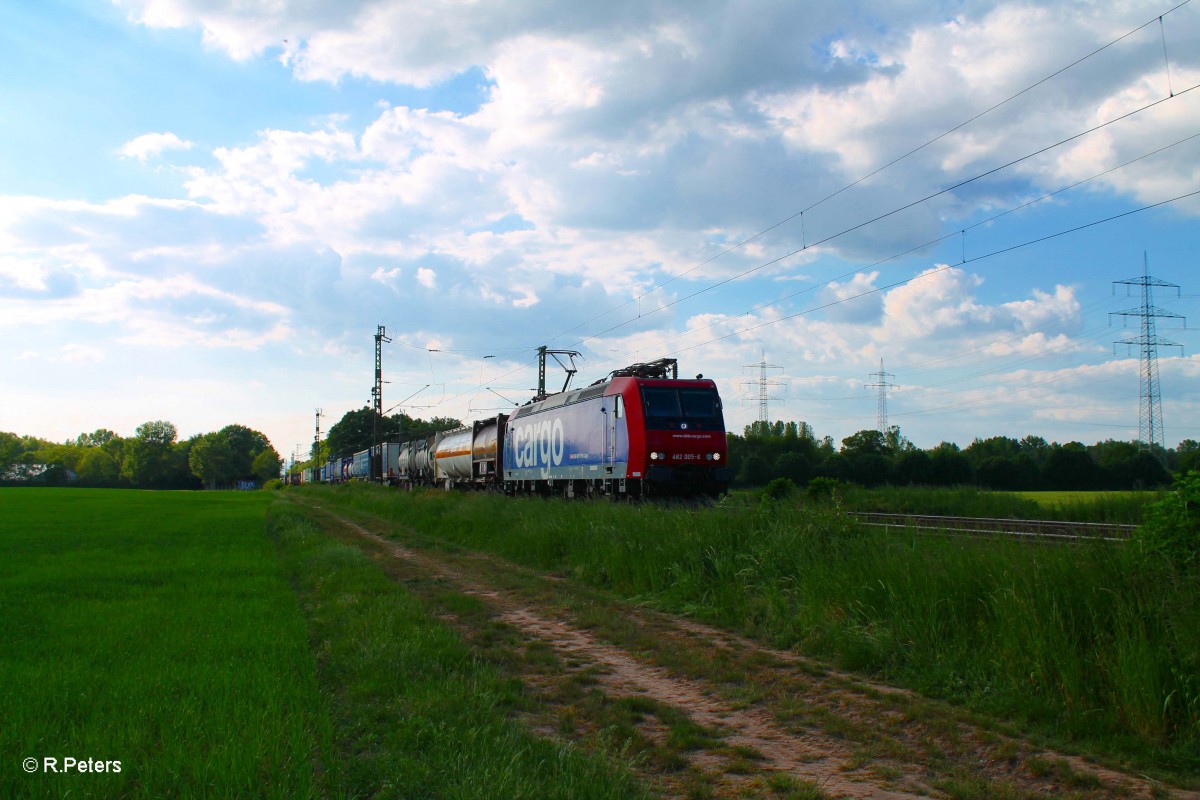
(772, 713)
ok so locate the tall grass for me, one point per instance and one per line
(1092, 644)
(1124, 508)
(154, 629)
(416, 714)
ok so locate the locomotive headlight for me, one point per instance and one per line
(708, 456)
(654, 456)
(716, 456)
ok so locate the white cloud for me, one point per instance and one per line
(388, 277)
(427, 278)
(152, 145)
(611, 148)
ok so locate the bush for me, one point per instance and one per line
(777, 490)
(1172, 526)
(825, 489)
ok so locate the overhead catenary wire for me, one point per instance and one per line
(856, 227)
(889, 164)
(927, 244)
(888, 214)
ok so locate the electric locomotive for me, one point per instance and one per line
(640, 432)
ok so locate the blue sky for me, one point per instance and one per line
(209, 205)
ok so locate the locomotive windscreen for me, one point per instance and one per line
(668, 407)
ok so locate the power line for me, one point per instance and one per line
(936, 270)
(1148, 341)
(876, 219)
(929, 243)
(893, 162)
(892, 213)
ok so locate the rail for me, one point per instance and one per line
(1033, 529)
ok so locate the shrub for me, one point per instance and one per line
(825, 489)
(1172, 525)
(777, 490)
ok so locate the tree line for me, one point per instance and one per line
(355, 432)
(153, 458)
(766, 451)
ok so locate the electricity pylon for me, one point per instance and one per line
(881, 383)
(763, 383)
(1150, 424)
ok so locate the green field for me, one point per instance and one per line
(1094, 646)
(1125, 508)
(224, 644)
(215, 648)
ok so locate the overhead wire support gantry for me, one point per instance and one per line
(377, 399)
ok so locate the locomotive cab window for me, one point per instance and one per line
(700, 403)
(661, 403)
(619, 407)
(670, 408)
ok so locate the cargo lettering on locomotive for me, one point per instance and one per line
(538, 444)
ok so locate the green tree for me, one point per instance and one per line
(795, 467)
(1001, 472)
(10, 453)
(355, 431)
(1187, 456)
(213, 459)
(97, 467)
(1071, 467)
(151, 459)
(755, 471)
(98, 438)
(266, 465)
(58, 455)
(352, 433)
(950, 467)
(912, 468)
(896, 441)
(865, 442)
(866, 458)
(245, 445)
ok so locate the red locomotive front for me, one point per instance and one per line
(676, 435)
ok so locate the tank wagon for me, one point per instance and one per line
(640, 432)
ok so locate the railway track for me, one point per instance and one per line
(1031, 529)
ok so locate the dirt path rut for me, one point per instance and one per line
(785, 723)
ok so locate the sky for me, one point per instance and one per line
(207, 207)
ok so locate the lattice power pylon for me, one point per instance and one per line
(763, 383)
(1150, 424)
(881, 383)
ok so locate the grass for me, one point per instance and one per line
(1112, 507)
(217, 646)
(418, 715)
(1095, 647)
(157, 630)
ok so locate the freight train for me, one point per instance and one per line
(640, 432)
